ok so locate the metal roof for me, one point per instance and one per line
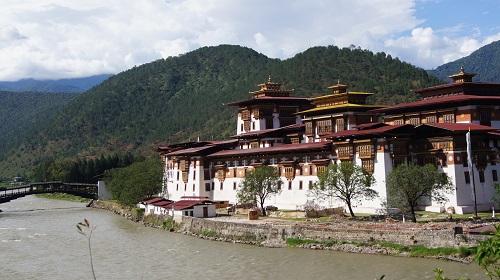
(274, 149)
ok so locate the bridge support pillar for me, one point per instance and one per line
(102, 191)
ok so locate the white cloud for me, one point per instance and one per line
(48, 39)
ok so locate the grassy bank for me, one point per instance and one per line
(394, 249)
(64, 196)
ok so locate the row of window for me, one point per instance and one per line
(211, 186)
(494, 175)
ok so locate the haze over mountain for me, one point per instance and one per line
(181, 98)
(62, 85)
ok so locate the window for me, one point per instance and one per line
(289, 185)
(177, 187)
(449, 118)
(367, 165)
(234, 186)
(185, 187)
(324, 126)
(300, 185)
(431, 119)
(194, 174)
(213, 186)
(320, 169)
(310, 185)
(339, 123)
(269, 122)
(467, 177)
(481, 176)
(309, 128)
(194, 187)
(207, 187)
(495, 175)
(289, 172)
(415, 121)
(485, 118)
(221, 186)
(399, 121)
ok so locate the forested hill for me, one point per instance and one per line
(19, 111)
(181, 98)
(485, 62)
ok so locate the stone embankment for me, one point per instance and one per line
(341, 236)
(274, 233)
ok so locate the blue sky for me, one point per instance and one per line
(52, 39)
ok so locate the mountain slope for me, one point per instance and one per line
(485, 62)
(20, 111)
(181, 98)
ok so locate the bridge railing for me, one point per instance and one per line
(50, 187)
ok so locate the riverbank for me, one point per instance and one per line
(433, 240)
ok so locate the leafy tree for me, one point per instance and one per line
(496, 197)
(131, 184)
(258, 185)
(409, 183)
(347, 182)
(488, 255)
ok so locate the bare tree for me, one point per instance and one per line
(87, 230)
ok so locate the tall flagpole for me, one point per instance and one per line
(471, 170)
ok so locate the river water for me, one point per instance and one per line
(39, 240)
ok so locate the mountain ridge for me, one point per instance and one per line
(181, 98)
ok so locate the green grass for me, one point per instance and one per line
(422, 251)
(297, 241)
(64, 196)
(209, 233)
(400, 248)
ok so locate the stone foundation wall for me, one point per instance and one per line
(275, 235)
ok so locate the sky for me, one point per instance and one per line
(54, 39)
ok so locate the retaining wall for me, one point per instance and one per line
(272, 235)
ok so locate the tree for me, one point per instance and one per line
(142, 179)
(409, 183)
(345, 181)
(496, 196)
(258, 185)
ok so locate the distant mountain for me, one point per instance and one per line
(21, 111)
(485, 62)
(77, 85)
(181, 98)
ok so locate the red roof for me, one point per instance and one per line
(460, 126)
(439, 101)
(280, 148)
(162, 203)
(154, 199)
(376, 131)
(265, 131)
(190, 150)
(268, 98)
(185, 204)
(369, 125)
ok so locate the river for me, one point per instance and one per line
(39, 240)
